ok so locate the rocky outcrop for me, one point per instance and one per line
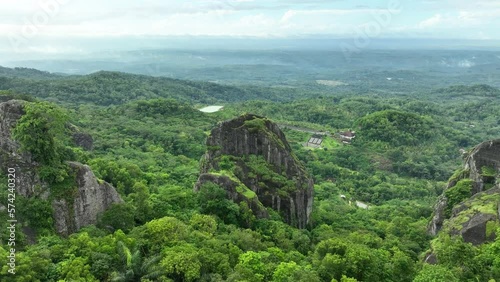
(81, 139)
(90, 200)
(27, 180)
(254, 151)
(86, 197)
(485, 156)
(476, 216)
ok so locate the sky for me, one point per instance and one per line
(31, 24)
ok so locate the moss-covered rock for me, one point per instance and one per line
(470, 205)
(253, 153)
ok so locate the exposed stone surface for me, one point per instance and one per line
(471, 217)
(252, 135)
(438, 216)
(486, 154)
(91, 197)
(26, 178)
(474, 230)
(83, 140)
(430, 258)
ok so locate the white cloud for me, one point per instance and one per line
(249, 17)
(433, 21)
(460, 19)
(290, 14)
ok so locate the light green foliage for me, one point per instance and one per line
(256, 266)
(256, 124)
(181, 262)
(40, 131)
(203, 223)
(121, 174)
(291, 272)
(488, 171)
(435, 273)
(454, 253)
(457, 193)
(491, 228)
(345, 279)
(459, 175)
(75, 269)
(166, 231)
(31, 265)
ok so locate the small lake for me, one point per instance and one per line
(211, 109)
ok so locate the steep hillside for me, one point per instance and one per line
(250, 158)
(76, 197)
(470, 205)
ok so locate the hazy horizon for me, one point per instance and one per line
(50, 28)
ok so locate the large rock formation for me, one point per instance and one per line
(26, 177)
(250, 158)
(91, 199)
(85, 197)
(470, 205)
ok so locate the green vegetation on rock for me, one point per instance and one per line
(456, 194)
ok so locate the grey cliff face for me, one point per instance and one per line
(91, 197)
(438, 217)
(486, 154)
(482, 168)
(27, 179)
(253, 135)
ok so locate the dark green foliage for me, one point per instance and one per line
(396, 128)
(267, 175)
(36, 213)
(212, 200)
(478, 90)
(118, 216)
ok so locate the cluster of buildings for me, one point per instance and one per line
(316, 140)
(347, 136)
